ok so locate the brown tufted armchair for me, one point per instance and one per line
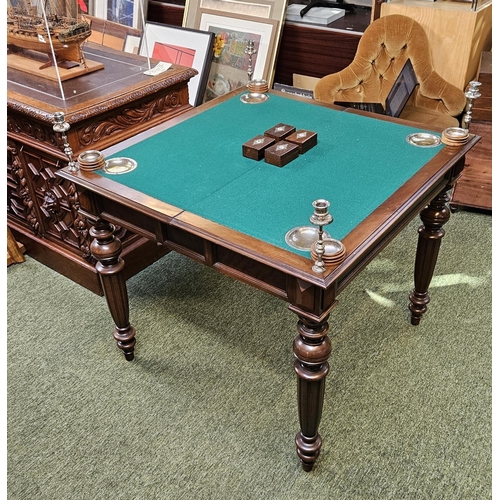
(383, 49)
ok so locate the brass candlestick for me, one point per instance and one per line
(472, 94)
(62, 126)
(320, 218)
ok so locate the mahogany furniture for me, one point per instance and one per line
(102, 108)
(216, 209)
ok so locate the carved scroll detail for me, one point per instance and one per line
(23, 191)
(146, 112)
(31, 129)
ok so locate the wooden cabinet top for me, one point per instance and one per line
(120, 82)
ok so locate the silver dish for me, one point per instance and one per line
(456, 133)
(303, 237)
(254, 98)
(119, 165)
(90, 157)
(424, 140)
(332, 247)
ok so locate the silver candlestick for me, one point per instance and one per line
(472, 94)
(62, 126)
(320, 218)
(250, 50)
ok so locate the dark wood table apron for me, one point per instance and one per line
(309, 295)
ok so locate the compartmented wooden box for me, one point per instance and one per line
(281, 153)
(305, 139)
(255, 148)
(280, 131)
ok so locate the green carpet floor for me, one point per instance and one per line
(207, 410)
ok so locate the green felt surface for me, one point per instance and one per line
(198, 166)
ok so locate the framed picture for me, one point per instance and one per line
(183, 46)
(131, 44)
(266, 9)
(230, 64)
(127, 12)
(114, 35)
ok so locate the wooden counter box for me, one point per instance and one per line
(255, 148)
(281, 153)
(280, 131)
(305, 140)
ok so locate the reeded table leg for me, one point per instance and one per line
(312, 349)
(106, 250)
(434, 216)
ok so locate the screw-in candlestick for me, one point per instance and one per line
(62, 126)
(472, 94)
(320, 218)
(250, 50)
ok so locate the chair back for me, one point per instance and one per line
(383, 49)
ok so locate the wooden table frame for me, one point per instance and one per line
(274, 270)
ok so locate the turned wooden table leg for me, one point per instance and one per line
(312, 349)
(106, 249)
(433, 216)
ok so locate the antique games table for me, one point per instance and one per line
(194, 192)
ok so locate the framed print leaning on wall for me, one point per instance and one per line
(183, 46)
(128, 13)
(267, 9)
(229, 68)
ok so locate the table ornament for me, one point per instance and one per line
(119, 165)
(321, 217)
(423, 140)
(302, 237)
(472, 94)
(62, 126)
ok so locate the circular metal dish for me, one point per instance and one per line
(303, 237)
(333, 247)
(254, 98)
(119, 165)
(456, 133)
(423, 140)
(90, 157)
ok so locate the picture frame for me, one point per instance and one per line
(131, 44)
(114, 35)
(268, 9)
(230, 63)
(183, 46)
(130, 13)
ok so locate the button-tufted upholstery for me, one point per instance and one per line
(382, 52)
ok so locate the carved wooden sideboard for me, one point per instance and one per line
(102, 108)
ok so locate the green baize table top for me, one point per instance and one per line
(198, 166)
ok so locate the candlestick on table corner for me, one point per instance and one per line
(250, 50)
(62, 126)
(471, 94)
(321, 217)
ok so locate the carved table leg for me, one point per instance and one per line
(312, 349)
(434, 216)
(106, 249)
